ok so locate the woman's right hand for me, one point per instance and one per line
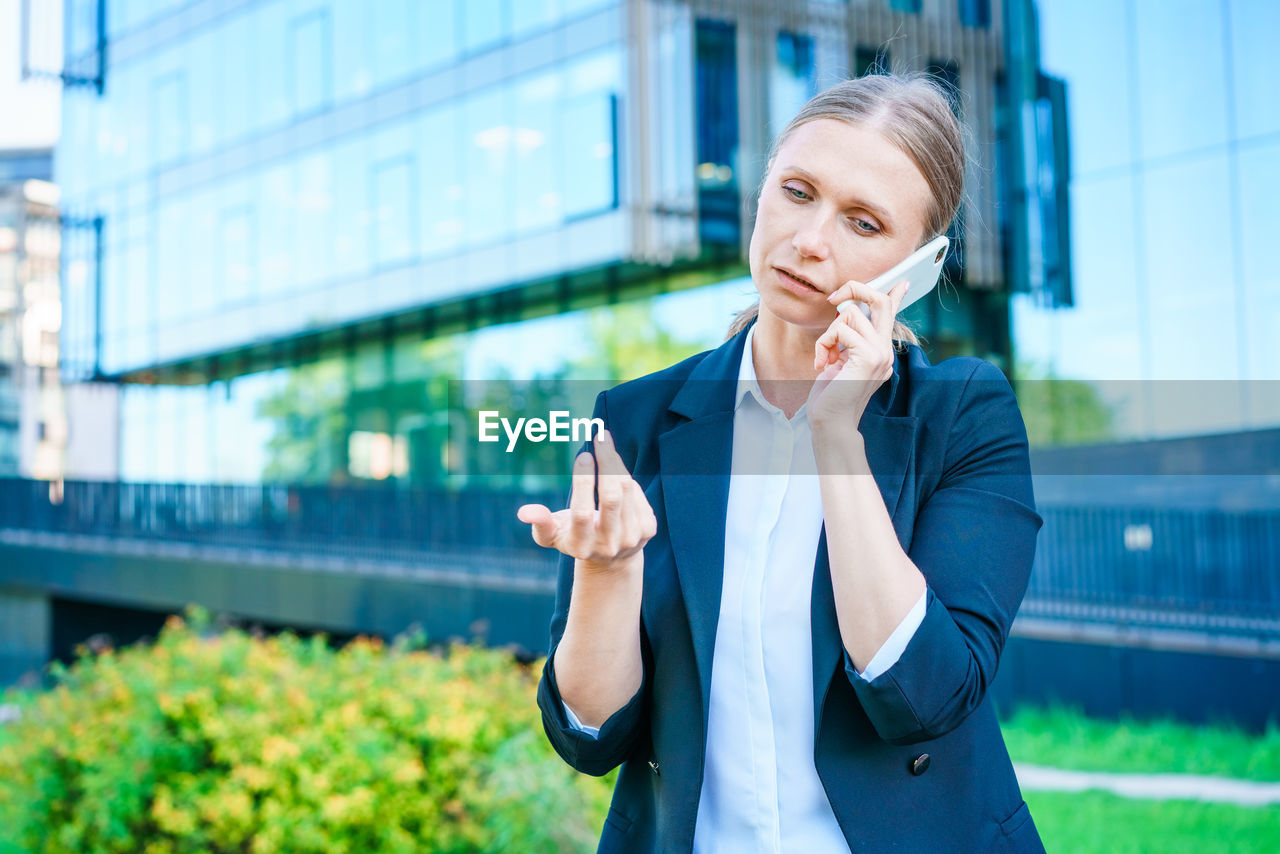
(606, 539)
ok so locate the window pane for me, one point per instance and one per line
(436, 33)
(351, 219)
(716, 82)
(482, 23)
(234, 97)
(1181, 76)
(1254, 26)
(234, 271)
(587, 131)
(393, 56)
(352, 64)
(1184, 276)
(309, 83)
(529, 15)
(315, 218)
(279, 229)
(170, 109)
(442, 190)
(792, 82)
(203, 68)
(975, 13)
(269, 88)
(394, 189)
(171, 250)
(1072, 36)
(537, 199)
(487, 136)
(1260, 222)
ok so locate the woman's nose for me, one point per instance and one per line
(810, 240)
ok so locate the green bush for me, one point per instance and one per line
(220, 742)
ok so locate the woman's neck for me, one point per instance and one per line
(782, 355)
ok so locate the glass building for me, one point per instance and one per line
(1174, 188)
(32, 409)
(308, 215)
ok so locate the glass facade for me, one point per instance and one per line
(33, 424)
(1173, 189)
(384, 410)
(301, 248)
(319, 180)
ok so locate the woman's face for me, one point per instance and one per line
(840, 202)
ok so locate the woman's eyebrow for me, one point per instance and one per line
(880, 212)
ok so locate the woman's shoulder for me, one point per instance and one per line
(953, 374)
(955, 383)
(914, 362)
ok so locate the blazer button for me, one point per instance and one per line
(653, 766)
(920, 764)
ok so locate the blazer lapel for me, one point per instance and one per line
(695, 457)
(890, 446)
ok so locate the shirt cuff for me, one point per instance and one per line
(892, 649)
(593, 731)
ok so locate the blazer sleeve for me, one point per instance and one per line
(599, 754)
(974, 542)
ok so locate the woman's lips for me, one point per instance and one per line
(796, 283)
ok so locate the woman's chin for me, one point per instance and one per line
(786, 309)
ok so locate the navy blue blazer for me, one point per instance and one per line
(913, 761)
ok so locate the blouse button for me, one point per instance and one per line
(920, 764)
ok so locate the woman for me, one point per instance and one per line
(789, 662)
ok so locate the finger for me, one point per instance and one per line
(544, 527)
(609, 484)
(853, 338)
(582, 498)
(826, 350)
(885, 311)
(848, 319)
(859, 293)
(632, 508)
(531, 514)
(844, 292)
(860, 322)
(901, 291)
(840, 334)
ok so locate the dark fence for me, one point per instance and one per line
(356, 522)
(1206, 569)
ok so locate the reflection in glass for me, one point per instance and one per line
(1254, 25)
(395, 192)
(483, 23)
(792, 81)
(310, 67)
(442, 209)
(487, 137)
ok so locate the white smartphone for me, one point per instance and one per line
(920, 270)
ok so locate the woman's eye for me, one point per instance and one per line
(863, 226)
(796, 193)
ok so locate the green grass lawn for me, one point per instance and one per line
(1101, 823)
(1064, 738)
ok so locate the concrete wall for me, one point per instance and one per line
(25, 632)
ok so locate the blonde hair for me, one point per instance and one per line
(913, 112)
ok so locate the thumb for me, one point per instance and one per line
(544, 528)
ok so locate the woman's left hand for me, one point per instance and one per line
(854, 355)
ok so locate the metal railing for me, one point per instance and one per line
(1202, 569)
(373, 523)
